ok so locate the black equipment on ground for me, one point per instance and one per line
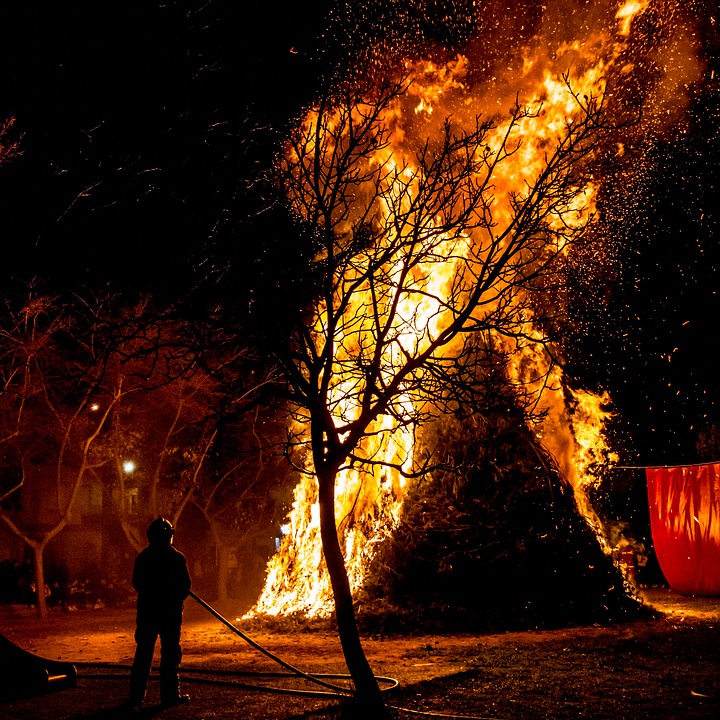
(23, 673)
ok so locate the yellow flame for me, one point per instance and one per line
(368, 503)
(628, 12)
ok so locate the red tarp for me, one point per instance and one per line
(685, 522)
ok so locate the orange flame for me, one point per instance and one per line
(369, 503)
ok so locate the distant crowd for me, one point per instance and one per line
(17, 587)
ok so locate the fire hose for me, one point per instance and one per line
(322, 679)
(311, 677)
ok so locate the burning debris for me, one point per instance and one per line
(497, 543)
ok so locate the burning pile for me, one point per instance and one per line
(571, 62)
(496, 545)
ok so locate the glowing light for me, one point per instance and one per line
(627, 13)
(369, 503)
(128, 466)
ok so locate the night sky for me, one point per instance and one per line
(142, 123)
(651, 338)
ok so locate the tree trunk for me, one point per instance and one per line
(223, 557)
(366, 685)
(39, 580)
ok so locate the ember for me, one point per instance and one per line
(560, 76)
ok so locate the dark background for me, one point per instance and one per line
(142, 125)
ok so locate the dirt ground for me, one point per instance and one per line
(664, 669)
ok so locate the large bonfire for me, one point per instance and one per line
(639, 53)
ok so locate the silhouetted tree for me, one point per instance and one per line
(390, 344)
(54, 407)
(163, 422)
(244, 491)
(185, 429)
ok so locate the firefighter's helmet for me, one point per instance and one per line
(160, 531)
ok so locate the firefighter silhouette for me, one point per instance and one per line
(162, 581)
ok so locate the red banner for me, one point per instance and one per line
(685, 522)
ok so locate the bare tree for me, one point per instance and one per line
(127, 398)
(394, 342)
(183, 434)
(163, 425)
(241, 493)
(13, 365)
(9, 141)
(53, 409)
